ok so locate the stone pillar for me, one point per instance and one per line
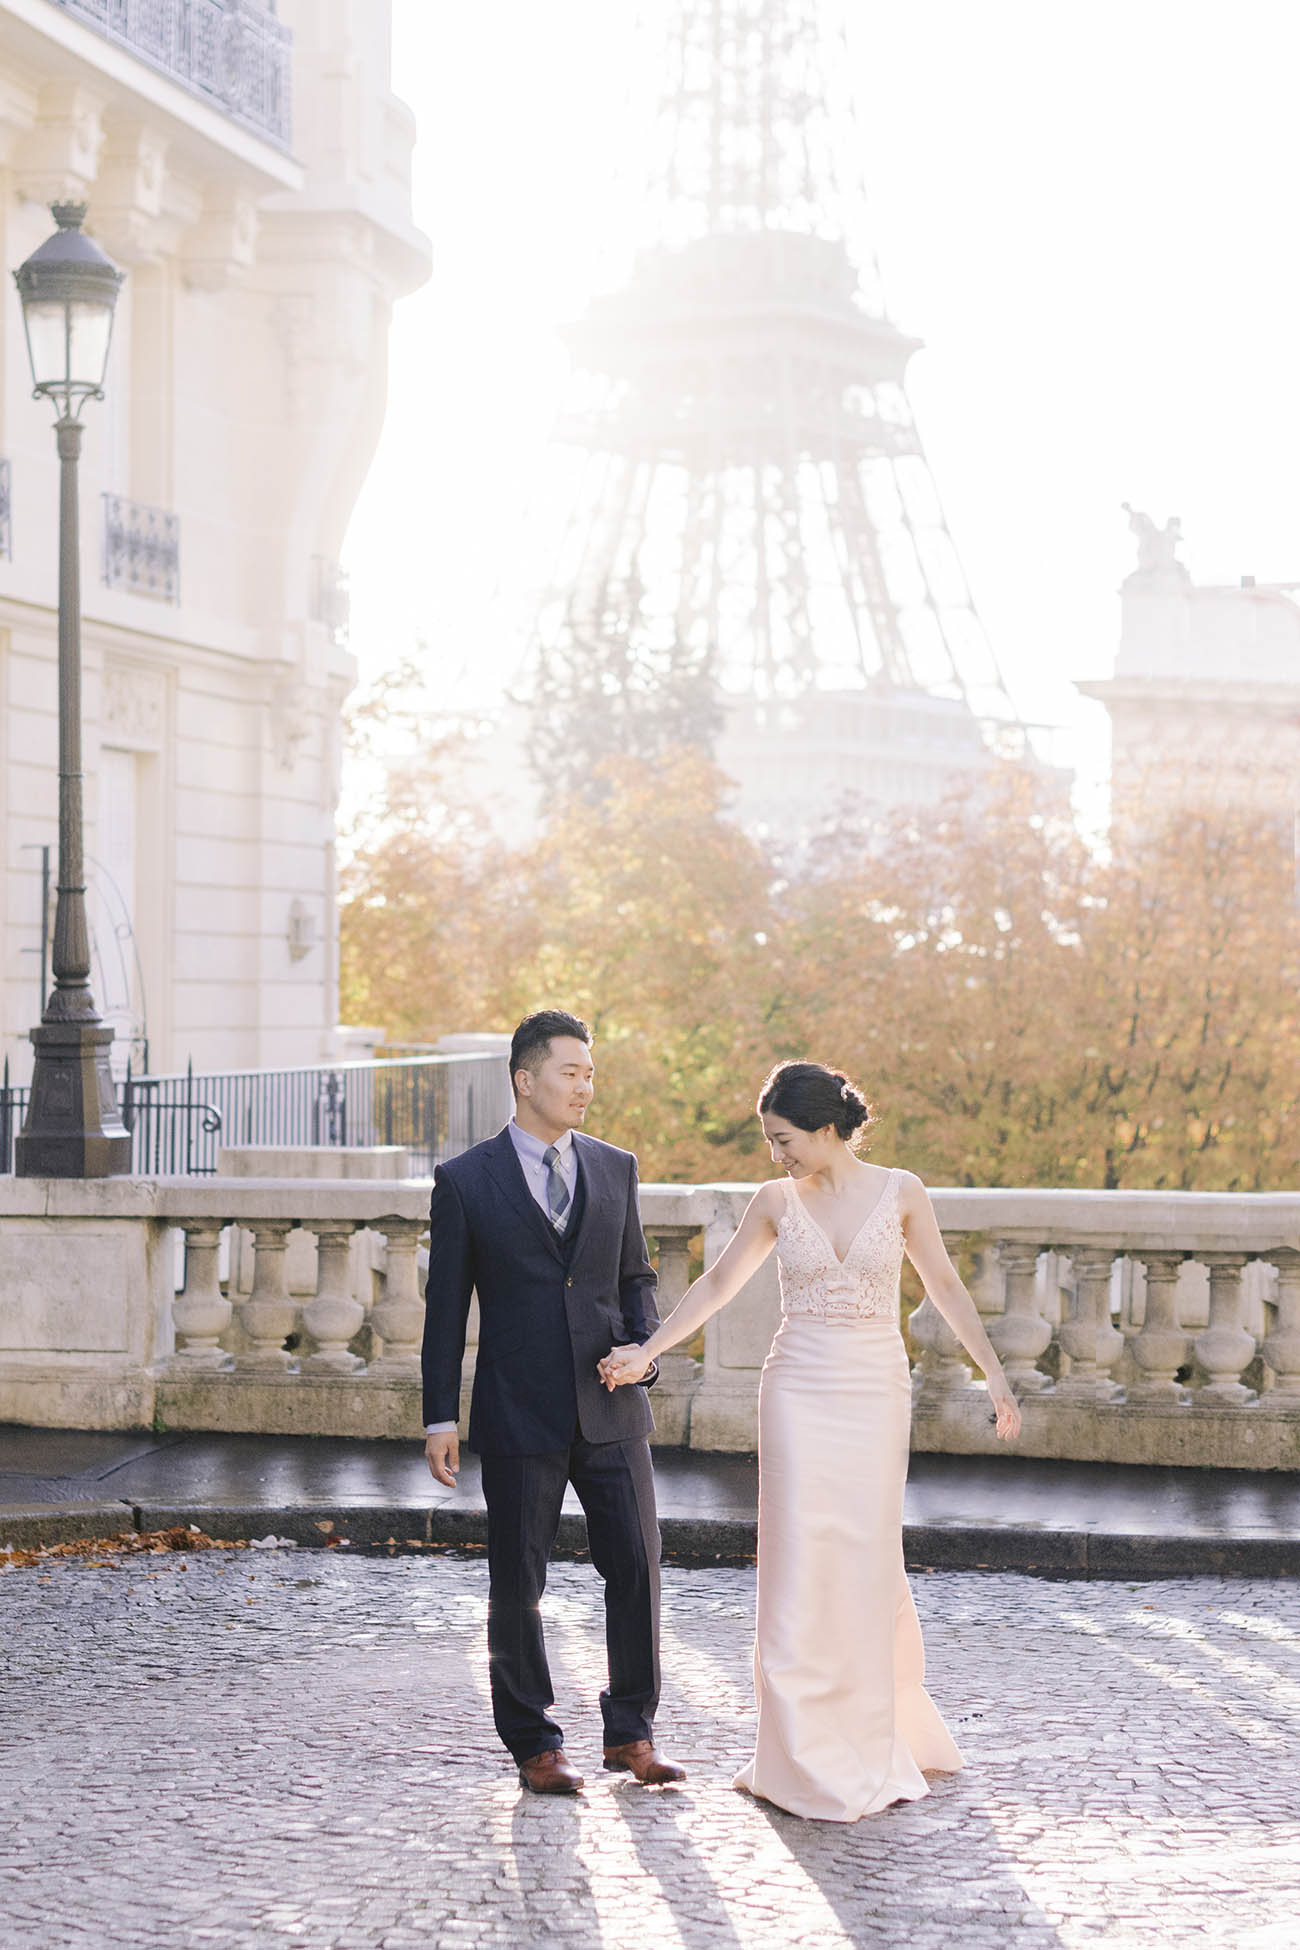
(201, 1312)
(1092, 1344)
(398, 1318)
(269, 1312)
(724, 1409)
(1224, 1348)
(1282, 1348)
(679, 1372)
(332, 1316)
(1021, 1333)
(1160, 1347)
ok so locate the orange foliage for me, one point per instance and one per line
(1021, 1011)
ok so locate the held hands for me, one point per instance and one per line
(1006, 1409)
(623, 1365)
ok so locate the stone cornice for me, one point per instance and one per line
(1226, 694)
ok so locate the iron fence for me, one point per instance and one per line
(434, 1106)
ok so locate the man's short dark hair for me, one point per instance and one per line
(531, 1043)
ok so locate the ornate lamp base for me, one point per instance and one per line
(73, 1127)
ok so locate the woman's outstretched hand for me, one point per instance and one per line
(623, 1365)
(1006, 1409)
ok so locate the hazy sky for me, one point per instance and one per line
(1089, 213)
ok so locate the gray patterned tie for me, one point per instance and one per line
(557, 1192)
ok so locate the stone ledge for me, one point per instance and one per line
(1258, 1437)
(385, 1407)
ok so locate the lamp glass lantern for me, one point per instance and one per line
(69, 292)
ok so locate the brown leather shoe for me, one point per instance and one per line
(643, 1760)
(549, 1773)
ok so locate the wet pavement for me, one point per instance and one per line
(241, 1749)
(1001, 1513)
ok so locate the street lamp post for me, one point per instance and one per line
(73, 1127)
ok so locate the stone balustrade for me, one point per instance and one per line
(1135, 1326)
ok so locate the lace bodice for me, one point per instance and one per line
(813, 1281)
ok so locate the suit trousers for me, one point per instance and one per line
(615, 1486)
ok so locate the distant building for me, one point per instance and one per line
(794, 761)
(1205, 701)
(249, 168)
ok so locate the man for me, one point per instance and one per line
(542, 1221)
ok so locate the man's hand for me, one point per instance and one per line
(623, 1365)
(442, 1453)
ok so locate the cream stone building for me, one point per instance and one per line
(1205, 700)
(249, 168)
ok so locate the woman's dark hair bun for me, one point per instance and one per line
(812, 1096)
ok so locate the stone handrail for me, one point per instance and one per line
(1135, 1326)
(1155, 1327)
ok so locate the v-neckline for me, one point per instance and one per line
(814, 1221)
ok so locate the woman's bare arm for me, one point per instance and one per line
(740, 1259)
(929, 1255)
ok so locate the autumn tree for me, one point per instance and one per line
(1027, 1012)
(1024, 1009)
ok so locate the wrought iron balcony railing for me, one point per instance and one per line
(234, 54)
(6, 528)
(142, 549)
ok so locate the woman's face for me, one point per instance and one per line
(798, 1152)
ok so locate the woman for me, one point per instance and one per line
(845, 1725)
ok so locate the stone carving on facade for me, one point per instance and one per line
(60, 156)
(1157, 547)
(300, 930)
(290, 719)
(131, 193)
(223, 244)
(133, 712)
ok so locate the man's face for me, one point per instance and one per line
(559, 1090)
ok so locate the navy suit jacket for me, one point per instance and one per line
(548, 1308)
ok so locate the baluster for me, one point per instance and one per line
(940, 1370)
(269, 1312)
(1020, 1334)
(680, 1374)
(677, 1368)
(201, 1311)
(398, 1318)
(1160, 1347)
(333, 1315)
(1224, 1348)
(1087, 1336)
(1282, 1348)
(674, 1268)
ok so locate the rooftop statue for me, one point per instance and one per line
(1157, 547)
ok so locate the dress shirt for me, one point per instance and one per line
(531, 1153)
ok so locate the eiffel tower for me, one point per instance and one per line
(754, 486)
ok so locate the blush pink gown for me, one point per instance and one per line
(845, 1725)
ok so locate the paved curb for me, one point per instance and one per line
(688, 1541)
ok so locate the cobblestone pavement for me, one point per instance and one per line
(292, 1748)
